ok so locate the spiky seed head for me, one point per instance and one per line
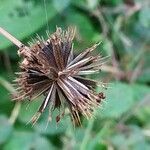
(51, 68)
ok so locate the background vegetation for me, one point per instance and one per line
(123, 26)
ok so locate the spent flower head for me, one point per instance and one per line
(51, 68)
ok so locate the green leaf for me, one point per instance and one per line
(61, 4)
(142, 114)
(24, 140)
(111, 2)
(22, 18)
(5, 129)
(89, 4)
(140, 91)
(132, 139)
(96, 141)
(5, 94)
(28, 109)
(145, 72)
(52, 127)
(121, 97)
(119, 100)
(145, 17)
(141, 94)
(85, 30)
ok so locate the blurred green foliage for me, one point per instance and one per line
(123, 121)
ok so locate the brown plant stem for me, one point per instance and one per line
(113, 70)
(11, 38)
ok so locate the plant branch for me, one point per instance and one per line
(15, 112)
(113, 70)
(11, 38)
(16, 109)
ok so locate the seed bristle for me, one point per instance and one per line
(49, 67)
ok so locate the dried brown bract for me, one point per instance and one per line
(51, 68)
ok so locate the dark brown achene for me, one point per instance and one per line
(50, 68)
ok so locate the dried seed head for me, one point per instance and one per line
(50, 68)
